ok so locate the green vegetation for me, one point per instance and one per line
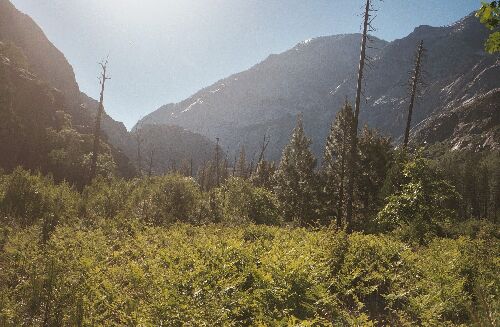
(260, 246)
(160, 251)
(489, 15)
(257, 244)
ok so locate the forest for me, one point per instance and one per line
(375, 232)
(262, 246)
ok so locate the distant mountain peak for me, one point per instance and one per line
(316, 75)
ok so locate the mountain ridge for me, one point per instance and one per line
(315, 76)
(47, 63)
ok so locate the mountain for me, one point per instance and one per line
(46, 64)
(472, 125)
(316, 76)
(170, 148)
(44, 58)
(31, 65)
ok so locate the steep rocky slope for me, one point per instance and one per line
(473, 125)
(46, 63)
(317, 75)
(43, 62)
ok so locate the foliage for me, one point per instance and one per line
(374, 159)
(263, 175)
(422, 206)
(296, 180)
(107, 197)
(122, 253)
(177, 276)
(240, 202)
(489, 15)
(27, 199)
(369, 277)
(243, 275)
(334, 170)
(163, 200)
(475, 176)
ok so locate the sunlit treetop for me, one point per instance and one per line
(489, 15)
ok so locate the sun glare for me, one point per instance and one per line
(133, 11)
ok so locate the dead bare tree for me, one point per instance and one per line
(97, 130)
(354, 129)
(263, 148)
(151, 161)
(139, 140)
(217, 168)
(415, 81)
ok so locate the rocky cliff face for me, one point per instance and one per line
(44, 62)
(472, 125)
(317, 75)
(49, 64)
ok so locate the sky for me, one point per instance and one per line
(163, 51)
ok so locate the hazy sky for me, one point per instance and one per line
(163, 51)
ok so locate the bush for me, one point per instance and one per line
(368, 273)
(27, 199)
(457, 283)
(166, 199)
(175, 276)
(244, 276)
(422, 207)
(241, 202)
(107, 197)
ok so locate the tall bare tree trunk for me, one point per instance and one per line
(354, 130)
(151, 162)
(340, 203)
(414, 83)
(97, 128)
(139, 140)
(217, 169)
(263, 148)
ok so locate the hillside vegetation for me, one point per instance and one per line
(160, 252)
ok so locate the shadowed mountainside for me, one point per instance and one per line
(316, 76)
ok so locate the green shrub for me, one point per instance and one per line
(457, 283)
(368, 274)
(240, 202)
(175, 276)
(423, 205)
(166, 199)
(250, 275)
(27, 199)
(107, 197)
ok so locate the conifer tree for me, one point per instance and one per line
(296, 185)
(263, 174)
(375, 156)
(335, 163)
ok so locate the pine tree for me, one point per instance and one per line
(263, 174)
(335, 163)
(375, 156)
(296, 179)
